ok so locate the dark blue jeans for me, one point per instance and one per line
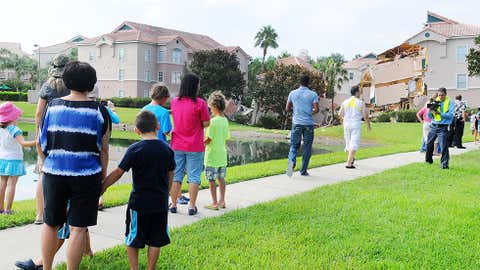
(440, 131)
(299, 132)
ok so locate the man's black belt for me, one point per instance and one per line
(440, 125)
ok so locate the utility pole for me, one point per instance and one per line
(38, 66)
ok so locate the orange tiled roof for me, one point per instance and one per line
(450, 28)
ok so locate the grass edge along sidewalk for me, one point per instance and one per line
(396, 138)
(415, 216)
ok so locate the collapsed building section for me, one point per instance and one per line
(396, 81)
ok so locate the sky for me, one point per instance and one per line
(320, 27)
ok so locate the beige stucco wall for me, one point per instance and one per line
(443, 67)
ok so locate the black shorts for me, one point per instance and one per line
(82, 192)
(149, 229)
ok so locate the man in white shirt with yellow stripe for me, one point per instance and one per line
(351, 113)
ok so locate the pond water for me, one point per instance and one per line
(239, 152)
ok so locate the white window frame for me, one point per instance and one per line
(121, 93)
(121, 55)
(351, 76)
(464, 58)
(121, 74)
(177, 56)
(163, 52)
(466, 81)
(147, 75)
(148, 55)
(176, 77)
(91, 56)
(146, 93)
(163, 76)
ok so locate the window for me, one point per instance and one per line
(160, 76)
(177, 56)
(148, 55)
(147, 76)
(461, 81)
(121, 93)
(161, 55)
(176, 77)
(350, 75)
(146, 93)
(121, 74)
(91, 55)
(462, 54)
(121, 55)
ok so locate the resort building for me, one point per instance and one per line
(447, 43)
(355, 70)
(14, 48)
(45, 55)
(134, 56)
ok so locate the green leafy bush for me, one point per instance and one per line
(383, 117)
(13, 96)
(241, 119)
(130, 102)
(407, 116)
(269, 121)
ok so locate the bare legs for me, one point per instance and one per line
(76, 247)
(39, 198)
(213, 192)
(193, 192)
(132, 254)
(3, 189)
(49, 245)
(351, 156)
(175, 192)
(153, 253)
(7, 191)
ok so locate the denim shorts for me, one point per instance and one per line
(190, 163)
(213, 173)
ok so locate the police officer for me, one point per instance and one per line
(442, 117)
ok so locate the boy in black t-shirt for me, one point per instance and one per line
(153, 165)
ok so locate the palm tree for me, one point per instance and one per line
(334, 75)
(266, 38)
(20, 64)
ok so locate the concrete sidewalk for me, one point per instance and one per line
(24, 242)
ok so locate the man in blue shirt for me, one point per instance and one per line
(159, 97)
(442, 117)
(304, 103)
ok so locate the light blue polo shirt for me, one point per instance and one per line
(302, 100)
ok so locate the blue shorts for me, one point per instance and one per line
(190, 163)
(214, 173)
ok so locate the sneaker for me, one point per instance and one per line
(28, 265)
(183, 200)
(461, 147)
(290, 168)
(192, 211)
(305, 174)
(445, 168)
(173, 210)
(38, 222)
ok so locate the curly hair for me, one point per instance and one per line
(217, 99)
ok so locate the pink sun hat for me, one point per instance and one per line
(9, 112)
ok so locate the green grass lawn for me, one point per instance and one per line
(390, 137)
(413, 217)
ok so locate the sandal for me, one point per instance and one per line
(173, 210)
(212, 207)
(350, 167)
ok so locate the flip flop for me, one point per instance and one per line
(38, 222)
(211, 207)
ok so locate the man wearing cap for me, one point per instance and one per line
(51, 89)
(442, 118)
